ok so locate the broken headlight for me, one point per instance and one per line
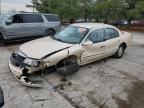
(19, 52)
(32, 62)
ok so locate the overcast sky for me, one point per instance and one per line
(18, 5)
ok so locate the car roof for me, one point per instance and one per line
(92, 25)
(13, 13)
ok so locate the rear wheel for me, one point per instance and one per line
(67, 67)
(49, 32)
(120, 52)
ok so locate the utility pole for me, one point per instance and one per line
(33, 8)
(0, 6)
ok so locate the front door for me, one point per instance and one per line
(16, 28)
(96, 50)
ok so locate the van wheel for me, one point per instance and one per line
(120, 52)
(1, 40)
(49, 32)
(67, 67)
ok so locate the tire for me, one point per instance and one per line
(49, 32)
(67, 67)
(1, 40)
(120, 52)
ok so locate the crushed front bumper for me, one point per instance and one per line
(18, 74)
(15, 70)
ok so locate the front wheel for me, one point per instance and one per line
(67, 67)
(120, 52)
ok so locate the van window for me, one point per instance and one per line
(17, 18)
(52, 18)
(32, 18)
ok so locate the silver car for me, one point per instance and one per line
(15, 26)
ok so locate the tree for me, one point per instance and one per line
(137, 12)
(67, 9)
(110, 10)
(92, 9)
(86, 8)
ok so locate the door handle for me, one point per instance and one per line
(103, 46)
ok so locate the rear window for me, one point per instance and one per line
(52, 18)
(111, 33)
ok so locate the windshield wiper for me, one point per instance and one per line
(58, 39)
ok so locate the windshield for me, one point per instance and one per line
(4, 17)
(71, 34)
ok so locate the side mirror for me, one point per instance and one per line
(88, 43)
(1, 98)
(8, 22)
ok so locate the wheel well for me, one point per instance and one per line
(51, 29)
(1, 35)
(69, 58)
(73, 57)
(124, 45)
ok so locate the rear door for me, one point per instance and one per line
(53, 21)
(33, 24)
(112, 41)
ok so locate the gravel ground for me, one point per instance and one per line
(109, 83)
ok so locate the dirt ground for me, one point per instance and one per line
(108, 83)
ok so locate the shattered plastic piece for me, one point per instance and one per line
(24, 80)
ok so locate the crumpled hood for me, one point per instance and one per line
(41, 47)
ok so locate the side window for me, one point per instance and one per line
(32, 18)
(52, 18)
(17, 18)
(96, 36)
(110, 33)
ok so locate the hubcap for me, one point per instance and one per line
(120, 51)
(49, 33)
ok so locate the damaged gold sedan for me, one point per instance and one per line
(75, 45)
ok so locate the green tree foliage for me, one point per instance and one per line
(138, 11)
(92, 9)
(67, 9)
(110, 9)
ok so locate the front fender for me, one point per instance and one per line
(55, 58)
(76, 51)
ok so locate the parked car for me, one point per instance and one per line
(137, 23)
(119, 22)
(15, 26)
(75, 45)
